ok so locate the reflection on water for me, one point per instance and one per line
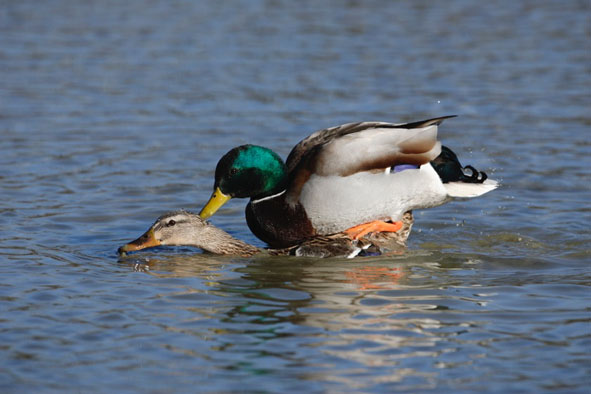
(415, 319)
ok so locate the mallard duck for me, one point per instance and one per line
(349, 178)
(183, 228)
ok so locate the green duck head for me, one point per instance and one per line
(246, 171)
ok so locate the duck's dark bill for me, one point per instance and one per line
(148, 240)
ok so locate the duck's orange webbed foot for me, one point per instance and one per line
(376, 226)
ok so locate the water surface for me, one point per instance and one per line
(113, 113)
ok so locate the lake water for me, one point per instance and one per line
(112, 113)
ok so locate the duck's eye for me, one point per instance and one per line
(170, 223)
(233, 171)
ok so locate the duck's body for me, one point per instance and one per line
(183, 228)
(317, 212)
(341, 177)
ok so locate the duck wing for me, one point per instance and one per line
(365, 146)
(308, 145)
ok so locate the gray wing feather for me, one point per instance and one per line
(312, 143)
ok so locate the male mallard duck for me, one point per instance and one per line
(183, 228)
(342, 177)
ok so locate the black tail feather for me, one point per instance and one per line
(449, 169)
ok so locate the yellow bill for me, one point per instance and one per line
(215, 202)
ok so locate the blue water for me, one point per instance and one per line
(112, 113)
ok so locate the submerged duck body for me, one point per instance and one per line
(341, 177)
(183, 228)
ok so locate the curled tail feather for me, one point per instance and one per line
(456, 179)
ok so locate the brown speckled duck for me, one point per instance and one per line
(183, 228)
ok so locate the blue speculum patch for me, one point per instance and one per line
(402, 167)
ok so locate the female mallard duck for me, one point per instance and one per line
(182, 228)
(342, 177)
